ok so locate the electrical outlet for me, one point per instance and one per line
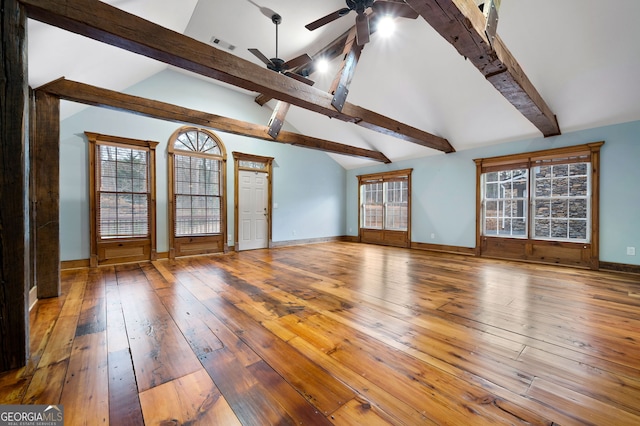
(293, 232)
(433, 236)
(631, 251)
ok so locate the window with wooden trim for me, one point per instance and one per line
(123, 198)
(505, 203)
(197, 161)
(385, 207)
(545, 199)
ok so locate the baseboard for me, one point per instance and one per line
(620, 267)
(606, 266)
(289, 243)
(74, 264)
(444, 248)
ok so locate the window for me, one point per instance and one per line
(385, 207)
(123, 199)
(505, 203)
(372, 205)
(123, 192)
(196, 192)
(561, 208)
(544, 199)
(197, 195)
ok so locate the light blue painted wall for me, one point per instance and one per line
(308, 186)
(316, 197)
(443, 190)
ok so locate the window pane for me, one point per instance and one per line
(542, 209)
(123, 201)
(559, 229)
(542, 228)
(519, 226)
(578, 208)
(504, 204)
(542, 172)
(578, 229)
(491, 190)
(560, 170)
(560, 187)
(578, 169)
(561, 192)
(578, 186)
(396, 205)
(491, 226)
(543, 188)
(372, 196)
(491, 209)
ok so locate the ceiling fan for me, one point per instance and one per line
(279, 65)
(379, 7)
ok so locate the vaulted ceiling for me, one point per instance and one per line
(581, 57)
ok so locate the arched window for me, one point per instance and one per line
(197, 214)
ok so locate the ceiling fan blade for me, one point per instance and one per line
(301, 60)
(299, 78)
(362, 29)
(394, 9)
(260, 56)
(326, 19)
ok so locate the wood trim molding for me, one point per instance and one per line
(620, 267)
(268, 161)
(291, 243)
(146, 247)
(206, 243)
(444, 248)
(75, 264)
(528, 249)
(384, 236)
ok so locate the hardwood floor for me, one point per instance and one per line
(336, 333)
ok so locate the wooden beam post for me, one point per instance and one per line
(46, 172)
(91, 95)
(14, 216)
(462, 24)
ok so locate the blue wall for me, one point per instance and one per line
(443, 190)
(316, 197)
(308, 186)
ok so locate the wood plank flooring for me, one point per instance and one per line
(336, 333)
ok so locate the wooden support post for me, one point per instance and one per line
(14, 217)
(46, 172)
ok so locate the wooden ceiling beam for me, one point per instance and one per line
(105, 23)
(96, 96)
(462, 24)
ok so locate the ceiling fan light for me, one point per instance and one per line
(386, 26)
(322, 65)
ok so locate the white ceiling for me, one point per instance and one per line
(583, 56)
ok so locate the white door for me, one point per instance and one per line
(253, 219)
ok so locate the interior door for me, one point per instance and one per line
(253, 219)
